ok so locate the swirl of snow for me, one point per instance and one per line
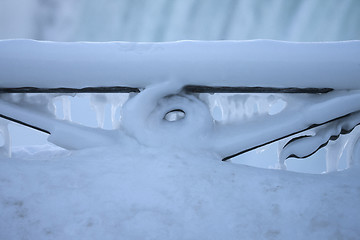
(144, 117)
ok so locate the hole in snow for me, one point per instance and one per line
(174, 115)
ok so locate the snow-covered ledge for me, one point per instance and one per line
(324, 76)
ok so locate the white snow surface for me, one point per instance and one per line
(253, 63)
(130, 191)
(152, 193)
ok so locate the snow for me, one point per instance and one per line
(144, 119)
(28, 63)
(152, 193)
(153, 178)
(252, 63)
(148, 185)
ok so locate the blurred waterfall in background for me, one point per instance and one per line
(169, 20)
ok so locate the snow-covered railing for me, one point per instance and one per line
(319, 83)
(261, 63)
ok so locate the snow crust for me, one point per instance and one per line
(152, 193)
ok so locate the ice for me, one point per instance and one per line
(66, 103)
(98, 103)
(39, 102)
(300, 113)
(352, 148)
(306, 145)
(116, 101)
(275, 104)
(228, 108)
(334, 151)
(5, 145)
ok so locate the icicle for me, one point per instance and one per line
(50, 98)
(355, 154)
(66, 103)
(98, 103)
(215, 106)
(276, 105)
(234, 107)
(282, 164)
(281, 157)
(40, 102)
(230, 107)
(250, 107)
(334, 151)
(263, 105)
(5, 149)
(114, 121)
(306, 145)
(116, 100)
(239, 104)
(353, 148)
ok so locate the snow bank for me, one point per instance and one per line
(151, 193)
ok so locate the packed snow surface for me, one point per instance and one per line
(156, 193)
(255, 63)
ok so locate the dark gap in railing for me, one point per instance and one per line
(188, 88)
(70, 90)
(223, 89)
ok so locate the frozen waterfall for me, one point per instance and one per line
(162, 20)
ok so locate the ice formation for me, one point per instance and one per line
(304, 146)
(98, 102)
(228, 108)
(66, 104)
(162, 70)
(164, 116)
(5, 148)
(116, 102)
(42, 103)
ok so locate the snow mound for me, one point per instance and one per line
(154, 193)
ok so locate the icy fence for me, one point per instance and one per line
(303, 95)
(225, 109)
